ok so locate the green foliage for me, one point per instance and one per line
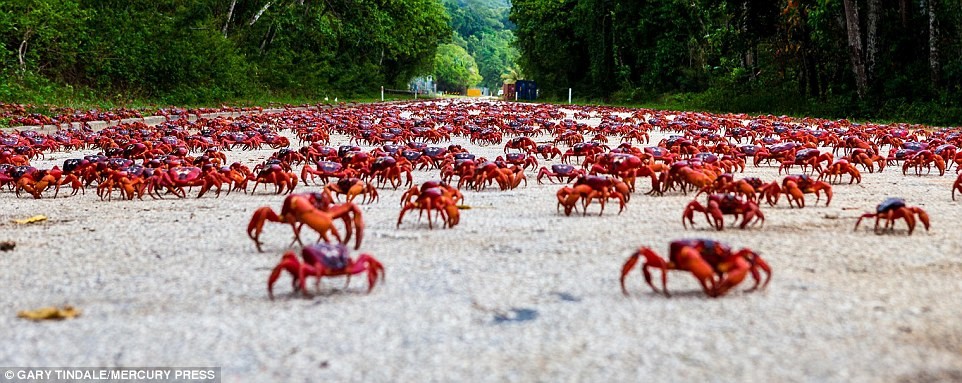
(482, 28)
(550, 51)
(190, 51)
(455, 69)
(42, 34)
(746, 55)
(494, 54)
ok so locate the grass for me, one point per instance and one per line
(933, 113)
(49, 99)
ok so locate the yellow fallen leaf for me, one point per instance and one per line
(51, 312)
(36, 218)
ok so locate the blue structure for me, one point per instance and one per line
(527, 90)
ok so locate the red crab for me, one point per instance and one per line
(719, 204)
(806, 157)
(524, 144)
(837, 169)
(560, 171)
(892, 209)
(747, 187)
(433, 195)
(352, 187)
(587, 188)
(176, 178)
(388, 169)
(795, 187)
(315, 210)
(324, 260)
(35, 182)
(548, 151)
(924, 159)
(713, 263)
(520, 159)
(326, 170)
(283, 181)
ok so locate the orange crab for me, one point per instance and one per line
(315, 210)
(713, 263)
(892, 209)
(324, 260)
(433, 195)
(719, 204)
(795, 187)
(352, 187)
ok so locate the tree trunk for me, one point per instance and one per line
(814, 85)
(871, 39)
(22, 50)
(230, 15)
(933, 45)
(268, 37)
(259, 13)
(855, 47)
(20, 53)
(748, 55)
(904, 12)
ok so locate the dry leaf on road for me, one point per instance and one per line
(36, 218)
(51, 312)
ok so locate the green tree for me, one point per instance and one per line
(495, 54)
(455, 70)
(41, 34)
(482, 28)
(551, 53)
(204, 50)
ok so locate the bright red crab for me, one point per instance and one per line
(837, 169)
(524, 144)
(720, 204)
(548, 151)
(351, 188)
(521, 159)
(892, 209)
(433, 195)
(283, 181)
(713, 263)
(560, 171)
(324, 260)
(587, 188)
(795, 187)
(315, 210)
(326, 170)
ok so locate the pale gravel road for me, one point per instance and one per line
(178, 283)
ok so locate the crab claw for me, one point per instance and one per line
(651, 260)
(256, 225)
(290, 263)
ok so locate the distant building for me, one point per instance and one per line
(423, 85)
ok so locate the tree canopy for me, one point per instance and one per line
(455, 69)
(482, 28)
(195, 50)
(862, 54)
(868, 57)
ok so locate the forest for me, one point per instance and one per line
(880, 59)
(195, 51)
(861, 58)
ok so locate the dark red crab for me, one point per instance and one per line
(721, 204)
(893, 208)
(717, 268)
(324, 260)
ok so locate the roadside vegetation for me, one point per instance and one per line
(887, 60)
